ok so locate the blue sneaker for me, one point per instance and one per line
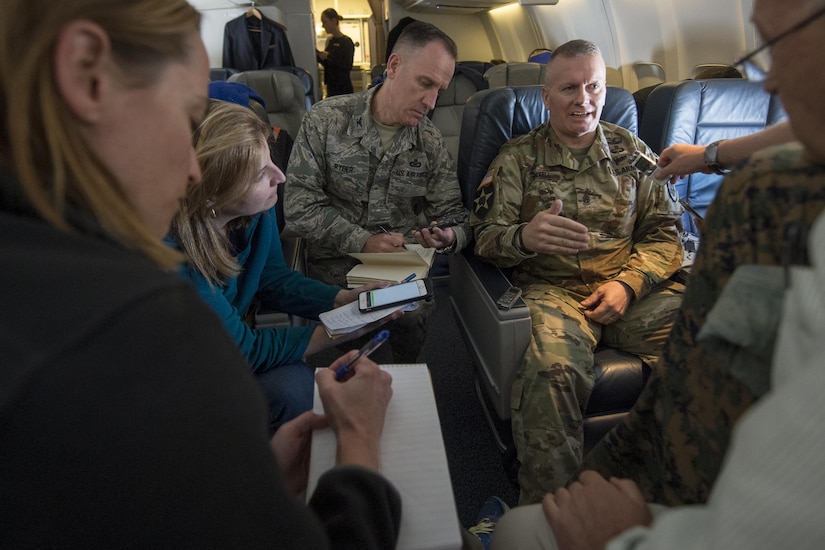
(487, 518)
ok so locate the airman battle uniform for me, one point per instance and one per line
(673, 441)
(633, 239)
(342, 187)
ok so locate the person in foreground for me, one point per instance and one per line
(369, 172)
(674, 438)
(765, 495)
(227, 228)
(129, 417)
(593, 243)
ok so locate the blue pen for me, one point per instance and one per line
(409, 278)
(343, 370)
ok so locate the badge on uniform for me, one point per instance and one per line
(484, 197)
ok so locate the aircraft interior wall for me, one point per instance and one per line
(674, 34)
(474, 40)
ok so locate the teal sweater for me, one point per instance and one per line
(266, 277)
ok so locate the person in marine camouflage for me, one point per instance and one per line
(369, 170)
(593, 242)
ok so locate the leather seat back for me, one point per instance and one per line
(701, 112)
(449, 108)
(492, 117)
(306, 80)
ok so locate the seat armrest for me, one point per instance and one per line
(294, 256)
(293, 247)
(495, 338)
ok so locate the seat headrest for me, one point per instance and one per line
(516, 73)
(280, 90)
(283, 93)
(465, 82)
(703, 111)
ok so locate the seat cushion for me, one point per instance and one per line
(619, 379)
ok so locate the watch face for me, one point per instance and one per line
(711, 153)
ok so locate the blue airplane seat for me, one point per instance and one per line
(497, 339)
(701, 112)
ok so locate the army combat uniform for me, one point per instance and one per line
(674, 439)
(633, 239)
(342, 187)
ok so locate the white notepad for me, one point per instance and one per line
(412, 458)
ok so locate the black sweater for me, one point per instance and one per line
(128, 418)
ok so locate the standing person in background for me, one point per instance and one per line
(337, 55)
(136, 423)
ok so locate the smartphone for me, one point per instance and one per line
(646, 165)
(506, 300)
(643, 163)
(444, 224)
(691, 210)
(381, 298)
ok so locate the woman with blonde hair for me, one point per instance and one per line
(227, 228)
(129, 419)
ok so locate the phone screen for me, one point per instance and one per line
(393, 294)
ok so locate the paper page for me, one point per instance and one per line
(373, 259)
(377, 272)
(348, 317)
(415, 254)
(412, 458)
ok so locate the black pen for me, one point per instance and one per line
(387, 231)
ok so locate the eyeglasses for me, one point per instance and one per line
(752, 70)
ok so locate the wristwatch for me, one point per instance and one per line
(712, 158)
(449, 249)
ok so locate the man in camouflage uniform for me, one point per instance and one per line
(593, 243)
(368, 170)
(674, 439)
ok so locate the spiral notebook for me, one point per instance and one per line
(412, 458)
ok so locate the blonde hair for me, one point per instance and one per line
(41, 142)
(229, 145)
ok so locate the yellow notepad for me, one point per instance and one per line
(412, 458)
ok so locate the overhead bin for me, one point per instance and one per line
(452, 6)
(465, 6)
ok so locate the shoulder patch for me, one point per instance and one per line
(484, 197)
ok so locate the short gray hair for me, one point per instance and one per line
(575, 48)
(572, 49)
(418, 34)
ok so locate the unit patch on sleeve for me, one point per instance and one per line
(483, 201)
